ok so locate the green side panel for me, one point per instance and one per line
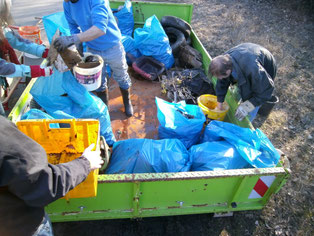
(147, 195)
(144, 10)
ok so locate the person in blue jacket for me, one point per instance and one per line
(253, 69)
(92, 21)
(9, 63)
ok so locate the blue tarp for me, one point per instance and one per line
(125, 18)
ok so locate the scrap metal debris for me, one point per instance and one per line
(186, 84)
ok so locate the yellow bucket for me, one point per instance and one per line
(208, 103)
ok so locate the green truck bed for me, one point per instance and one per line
(162, 194)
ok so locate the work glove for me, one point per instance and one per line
(244, 109)
(93, 157)
(45, 53)
(37, 71)
(63, 42)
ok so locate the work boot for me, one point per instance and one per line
(127, 102)
(104, 96)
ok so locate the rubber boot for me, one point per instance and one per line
(104, 96)
(127, 102)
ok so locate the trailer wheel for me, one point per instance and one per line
(176, 39)
(182, 25)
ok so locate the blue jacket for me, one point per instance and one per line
(254, 69)
(12, 70)
(87, 13)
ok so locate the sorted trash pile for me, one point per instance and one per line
(186, 84)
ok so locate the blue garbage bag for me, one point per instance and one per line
(253, 145)
(217, 155)
(34, 114)
(64, 98)
(125, 18)
(148, 156)
(129, 47)
(54, 21)
(151, 40)
(176, 121)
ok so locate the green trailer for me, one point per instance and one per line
(164, 194)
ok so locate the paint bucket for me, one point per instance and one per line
(88, 73)
(267, 107)
(208, 104)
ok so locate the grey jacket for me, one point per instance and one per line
(28, 182)
(255, 69)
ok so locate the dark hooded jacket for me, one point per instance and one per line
(28, 182)
(253, 69)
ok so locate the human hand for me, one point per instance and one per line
(93, 157)
(37, 71)
(63, 42)
(244, 109)
(220, 106)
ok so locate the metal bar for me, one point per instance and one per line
(136, 198)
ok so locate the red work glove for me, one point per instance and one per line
(37, 71)
(45, 53)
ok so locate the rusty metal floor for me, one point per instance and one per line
(144, 123)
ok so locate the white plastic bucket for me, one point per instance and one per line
(90, 78)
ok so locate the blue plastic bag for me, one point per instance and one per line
(64, 98)
(129, 47)
(151, 40)
(175, 122)
(219, 155)
(54, 21)
(148, 156)
(34, 114)
(125, 18)
(253, 145)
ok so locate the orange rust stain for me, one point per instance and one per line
(144, 123)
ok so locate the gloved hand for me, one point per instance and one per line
(37, 71)
(93, 157)
(63, 42)
(45, 53)
(244, 109)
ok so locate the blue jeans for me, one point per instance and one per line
(253, 113)
(115, 58)
(45, 228)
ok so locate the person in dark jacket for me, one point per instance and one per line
(28, 182)
(253, 69)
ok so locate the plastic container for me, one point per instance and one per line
(208, 103)
(89, 73)
(31, 32)
(148, 67)
(66, 144)
(267, 107)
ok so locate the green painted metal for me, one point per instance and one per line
(163, 194)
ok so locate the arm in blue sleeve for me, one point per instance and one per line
(100, 14)
(12, 70)
(24, 45)
(222, 89)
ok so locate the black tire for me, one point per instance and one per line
(176, 39)
(182, 25)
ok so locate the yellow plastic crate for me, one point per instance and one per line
(66, 144)
(208, 103)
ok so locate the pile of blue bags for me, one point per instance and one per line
(186, 144)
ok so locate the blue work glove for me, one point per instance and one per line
(244, 109)
(63, 42)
